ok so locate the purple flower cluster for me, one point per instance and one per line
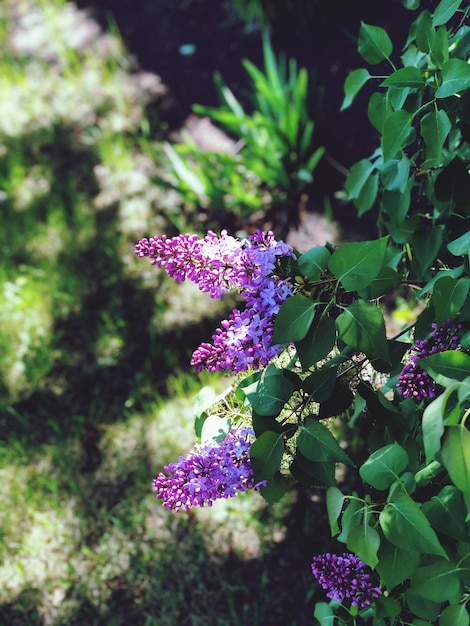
(413, 381)
(218, 265)
(209, 472)
(345, 578)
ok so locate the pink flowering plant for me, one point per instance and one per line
(324, 381)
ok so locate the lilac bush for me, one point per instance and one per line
(217, 265)
(209, 472)
(413, 381)
(345, 579)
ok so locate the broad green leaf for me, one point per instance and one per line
(433, 428)
(312, 473)
(396, 564)
(383, 282)
(435, 127)
(374, 44)
(405, 526)
(275, 489)
(362, 327)
(317, 443)
(270, 394)
(351, 518)
(395, 174)
(437, 582)
(448, 297)
(365, 200)
(357, 264)
(383, 467)
(215, 428)
(320, 384)
(353, 83)
(455, 615)
(395, 133)
(358, 177)
(460, 246)
(318, 342)
(446, 513)
(364, 541)
(378, 110)
(454, 273)
(452, 364)
(405, 77)
(334, 505)
(293, 319)
(455, 456)
(411, 5)
(439, 52)
(324, 614)
(444, 11)
(424, 31)
(339, 401)
(265, 454)
(427, 609)
(314, 261)
(455, 78)
(425, 245)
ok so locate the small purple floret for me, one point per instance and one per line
(218, 265)
(209, 472)
(413, 381)
(345, 579)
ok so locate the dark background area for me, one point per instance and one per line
(320, 34)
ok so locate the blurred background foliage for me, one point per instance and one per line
(95, 389)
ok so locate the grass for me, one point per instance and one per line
(95, 391)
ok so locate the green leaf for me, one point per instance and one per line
(353, 83)
(433, 428)
(395, 132)
(312, 473)
(358, 177)
(317, 443)
(314, 261)
(365, 201)
(396, 564)
(455, 455)
(424, 31)
(446, 512)
(293, 319)
(215, 428)
(395, 174)
(362, 327)
(444, 11)
(383, 467)
(405, 526)
(270, 394)
(455, 615)
(364, 541)
(405, 77)
(425, 244)
(357, 264)
(440, 47)
(435, 128)
(339, 401)
(452, 364)
(383, 282)
(320, 384)
(275, 489)
(448, 297)
(374, 44)
(351, 518)
(324, 614)
(317, 343)
(437, 582)
(411, 5)
(266, 454)
(427, 609)
(455, 78)
(334, 504)
(460, 246)
(378, 109)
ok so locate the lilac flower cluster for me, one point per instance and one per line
(218, 265)
(209, 472)
(413, 381)
(345, 578)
